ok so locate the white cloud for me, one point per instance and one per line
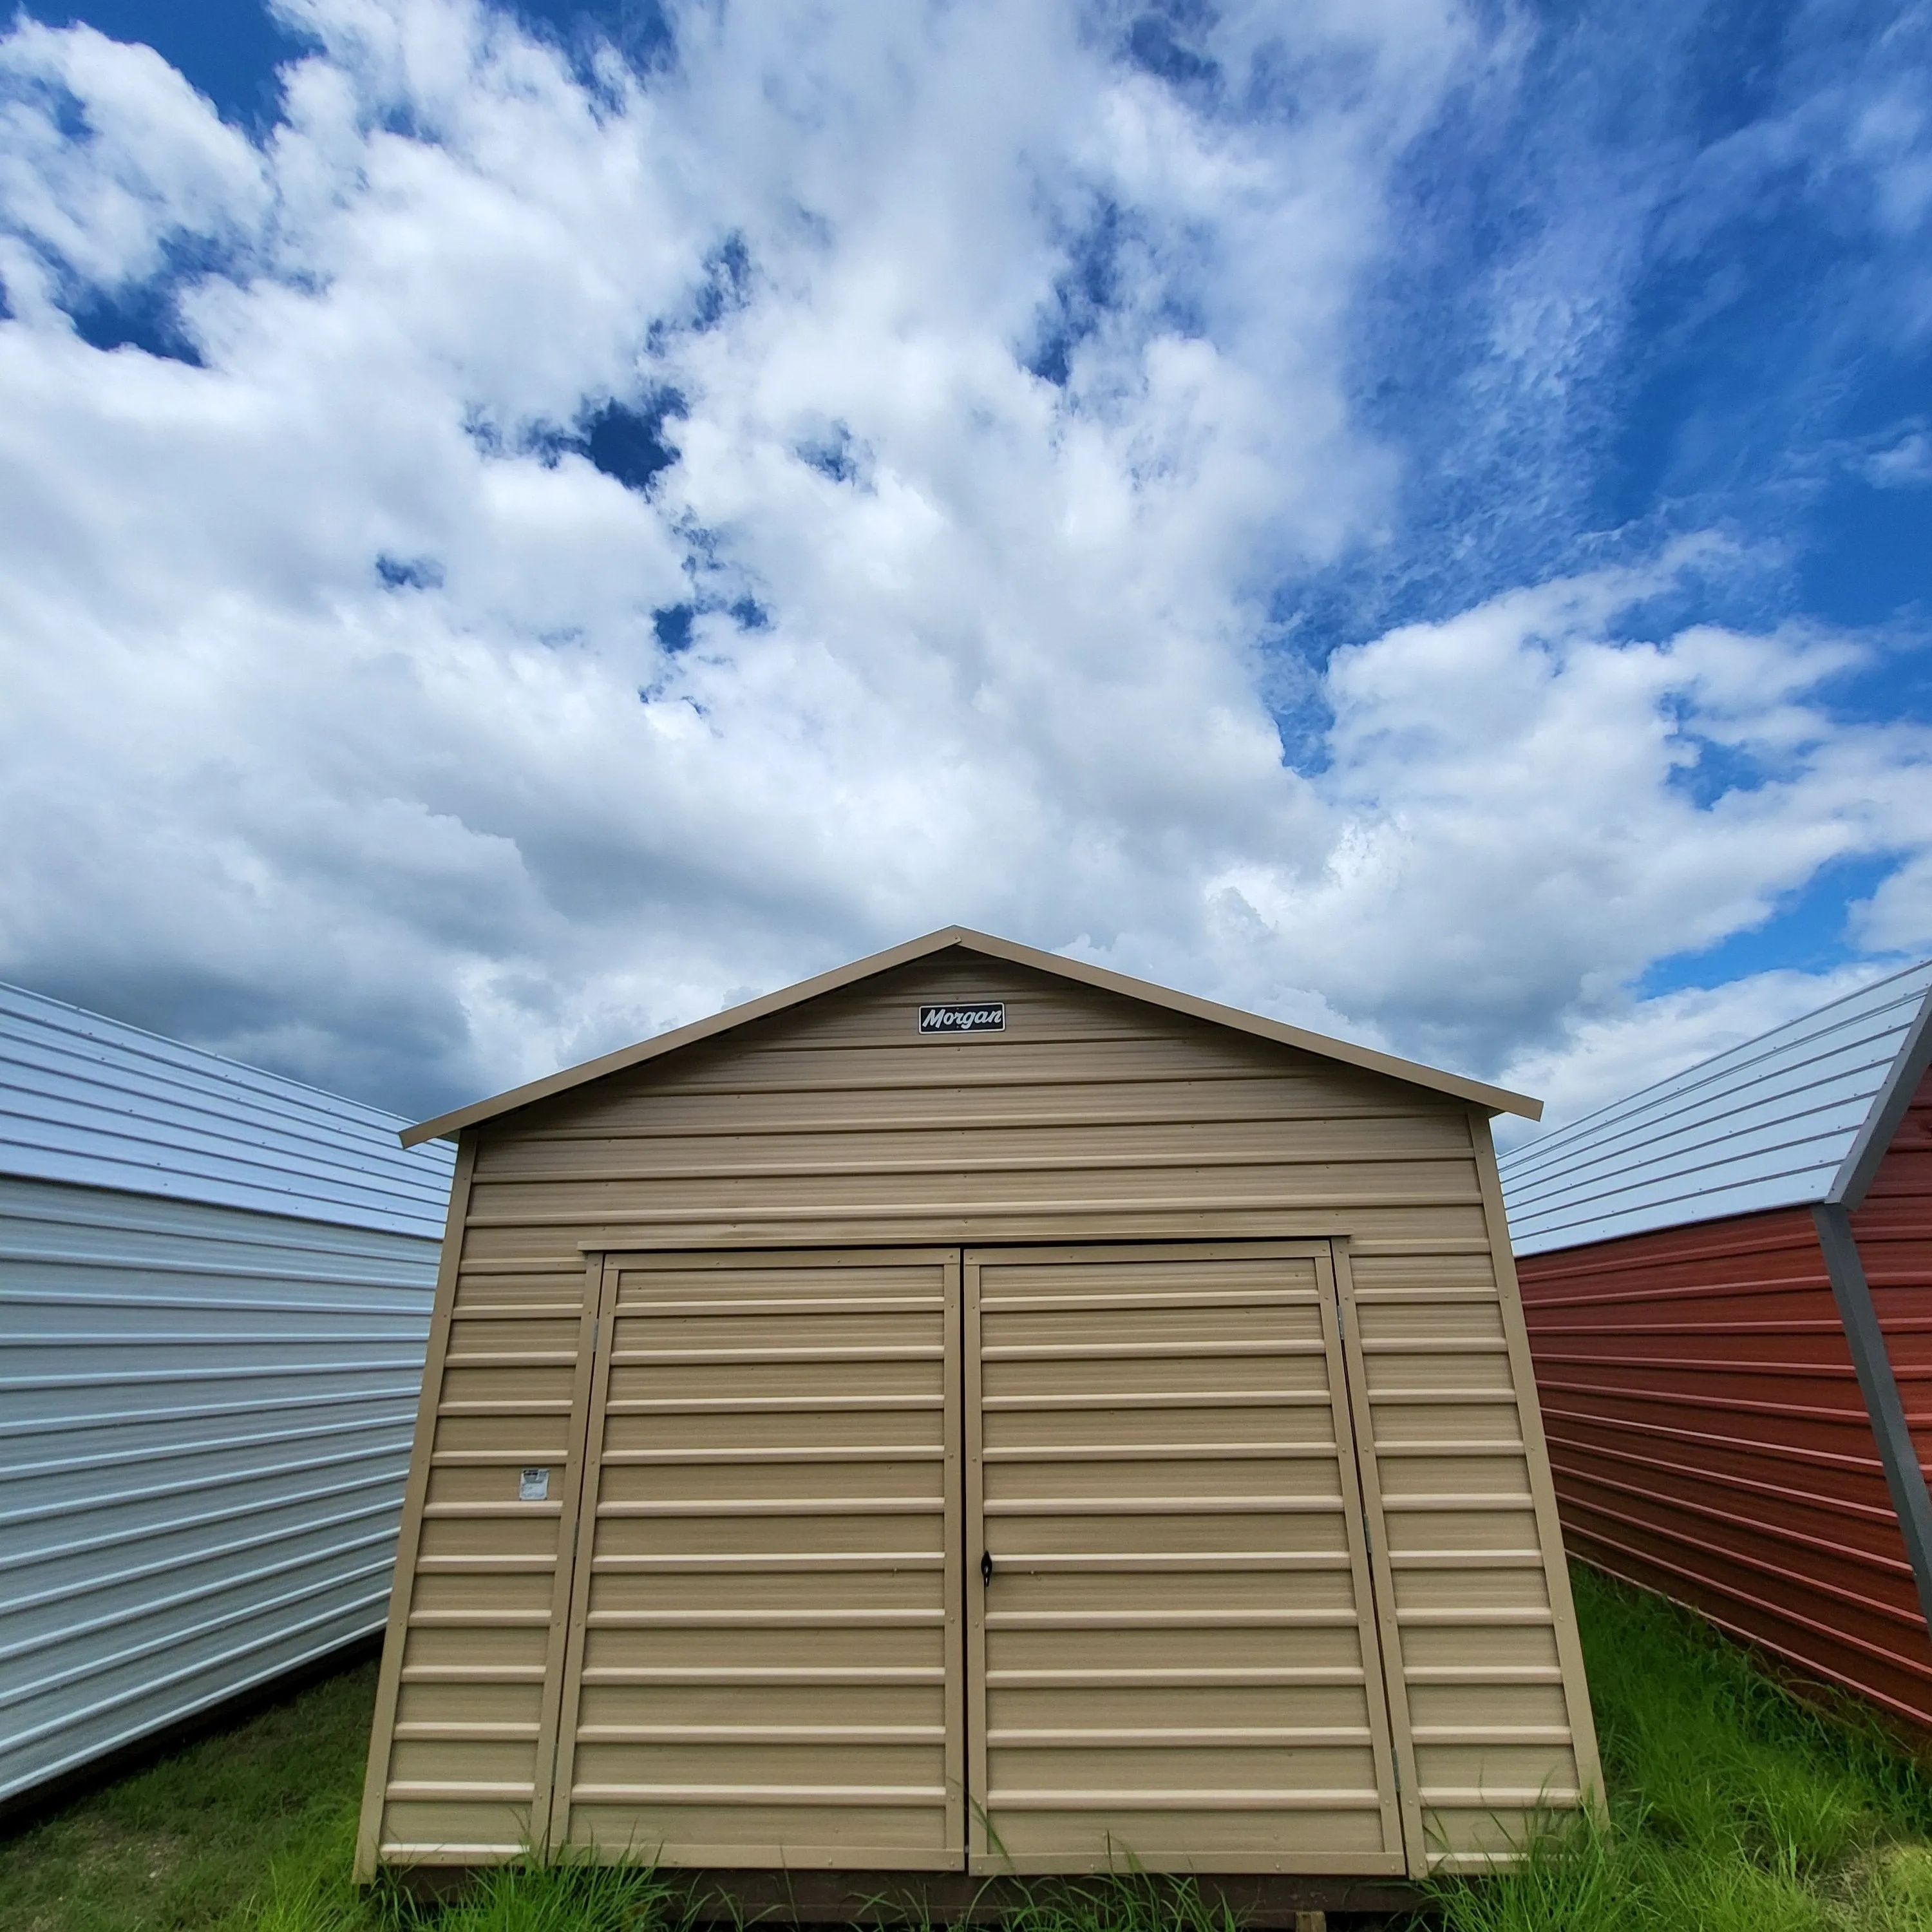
(146, 163)
(1902, 465)
(1898, 917)
(424, 841)
(1519, 802)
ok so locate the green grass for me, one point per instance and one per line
(1734, 1808)
(254, 1831)
(199, 1840)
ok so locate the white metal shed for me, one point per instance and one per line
(214, 1290)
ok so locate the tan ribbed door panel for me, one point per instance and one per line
(766, 1665)
(1175, 1662)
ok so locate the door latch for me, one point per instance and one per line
(986, 1566)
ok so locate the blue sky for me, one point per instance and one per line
(531, 524)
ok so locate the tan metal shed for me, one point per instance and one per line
(973, 1412)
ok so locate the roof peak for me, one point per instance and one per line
(1497, 1100)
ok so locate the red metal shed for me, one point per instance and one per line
(1728, 1282)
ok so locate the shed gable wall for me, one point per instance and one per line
(837, 1122)
(1091, 1117)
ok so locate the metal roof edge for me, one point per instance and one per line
(264, 1202)
(445, 1126)
(1564, 1242)
(1860, 1166)
(1496, 1100)
(181, 1057)
(94, 1101)
(1687, 1081)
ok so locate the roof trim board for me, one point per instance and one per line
(1860, 1166)
(1495, 1099)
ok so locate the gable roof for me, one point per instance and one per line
(1497, 1100)
(97, 1103)
(1799, 1117)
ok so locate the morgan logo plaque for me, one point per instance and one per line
(982, 1016)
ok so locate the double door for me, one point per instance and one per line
(1049, 1559)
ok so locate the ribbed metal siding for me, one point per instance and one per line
(96, 1103)
(204, 1425)
(1709, 1441)
(1766, 1125)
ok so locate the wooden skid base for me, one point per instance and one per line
(1264, 1902)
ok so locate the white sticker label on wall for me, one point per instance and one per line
(534, 1487)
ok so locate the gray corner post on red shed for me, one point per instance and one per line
(973, 1415)
(1904, 1472)
(1728, 1280)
